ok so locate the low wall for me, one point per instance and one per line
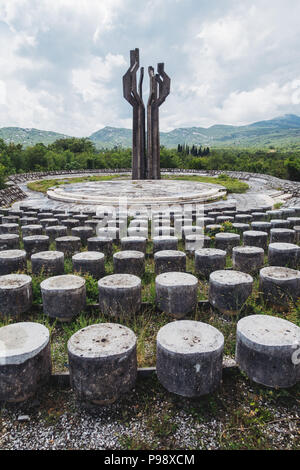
(291, 187)
(11, 194)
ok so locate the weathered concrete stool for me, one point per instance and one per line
(68, 245)
(44, 214)
(229, 290)
(176, 293)
(282, 235)
(102, 362)
(83, 232)
(279, 286)
(248, 259)
(196, 242)
(213, 228)
(243, 218)
(29, 221)
(9, 228)
(226, 241)
(9, 241)
(49, 222)
(255, 238)
(191, 230)
(64, 297)
(293, 221)
(15, 294)
(274, 214)
(109, 232)
(279, 223)
(120, 295)
(134, 243)
(169, 261)
(208, 260)
(25, 360)
(36, 243)
(189, 358)
(102, 244)
(204, 221)
(164, 231)
(12, 261)
(224, 218)
(10, 219)
(284, 254)
(90, 262)
(164, 243)
(56, 231)
(261, 226)
(288, 212)
(267, 350)
(137, 232)
(48, 262)
(259, 217)
(129, 262)
(297, 233)
(70, 223)
(29, 230)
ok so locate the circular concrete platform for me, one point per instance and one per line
(137, 192)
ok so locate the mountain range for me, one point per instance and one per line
(278, 132)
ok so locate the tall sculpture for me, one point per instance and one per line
(159, 90)
(135, 98)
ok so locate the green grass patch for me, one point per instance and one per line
(233, 185)
(42, 186)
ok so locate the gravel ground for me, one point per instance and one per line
(240, 415)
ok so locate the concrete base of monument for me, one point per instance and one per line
(137, 192)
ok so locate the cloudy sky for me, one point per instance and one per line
(231, 62)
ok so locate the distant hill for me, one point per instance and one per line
(29, 136)
(278, 132)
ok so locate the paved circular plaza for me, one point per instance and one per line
(137, 192)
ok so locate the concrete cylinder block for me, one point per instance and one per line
(227, 241)
(248, 259)
(176, 293)
(36, 243)
(284, 254)
(282, 235)
(25, 360)
(102, 362)
(229, 290)
(169, 261)
(129, 262)
(15, 294)
(261, 226)
(120, 295)
(101, 244)
(12, 261)
(83, 232)
(162, 243)
(9, 228)
(56, 231)
(279, 286)
(64, 296)
(208, 260)
(9, 241)
(196, 242)
(189, 358)
(266, 350)
(256, 238)
(48, 262)
(90, 262)
(68, 245)
(134, 243)
(29, 230)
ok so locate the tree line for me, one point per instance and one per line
(80, 153)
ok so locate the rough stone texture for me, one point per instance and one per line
(282, 235)
(240, 228)
(64, 297)
(189, 358)
(9, 241)
(56, 231)
(84, 233)
(120, 295)
(297, 233)
(248, 259)
(15, 294)
(164, 231)
(49, 222)
(162, 243)
(50, 263)
(12, 261)
(169, 261)
(279, 286)
(9, 228)
(109, 232)
(36, 243)
(284, 254)
(29, 221)
(137, 232)
(208, 260)
(176, 293)
(134, 243)
(102, 362)
(90, 262)
(25, 360)
(68, 245)
(243, 218)
(196, 242)
(256, 238)
(261, 226)
(279, 223)
(266, 350)
(226, 241)
(229, 290)
(29, 230)
(129, 262)
(101, 244)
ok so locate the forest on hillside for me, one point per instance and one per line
(81, 153)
